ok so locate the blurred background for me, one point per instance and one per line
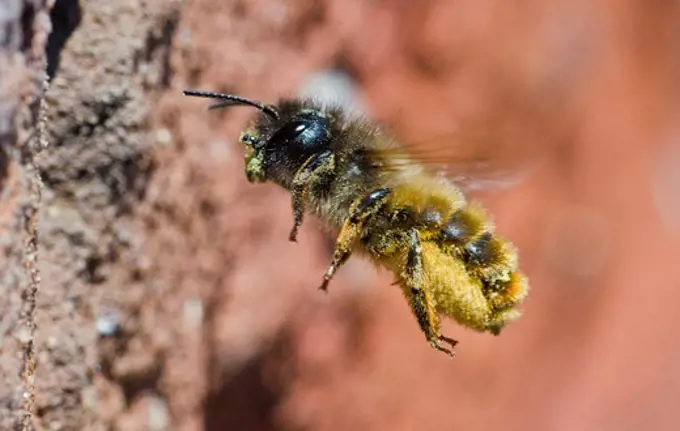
(172, 298)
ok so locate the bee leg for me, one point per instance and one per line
(361, 211)
(316, 169)
(420, 299)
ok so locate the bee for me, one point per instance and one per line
(388, 206)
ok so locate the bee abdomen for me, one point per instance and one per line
(514, 290)
(468, 235)
(482, 250)
(462, 226)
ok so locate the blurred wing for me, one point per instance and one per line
(473, 162)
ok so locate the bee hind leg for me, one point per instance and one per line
(420, 299)
(362, 210)
(317, 169)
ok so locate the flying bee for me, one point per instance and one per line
(388, 206)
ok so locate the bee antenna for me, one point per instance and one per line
(231, 100)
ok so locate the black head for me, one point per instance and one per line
(281, 139)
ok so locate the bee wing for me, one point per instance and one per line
(473, 162)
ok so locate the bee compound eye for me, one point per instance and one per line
(306, 135)
(312, 133)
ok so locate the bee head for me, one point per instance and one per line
(281, 139)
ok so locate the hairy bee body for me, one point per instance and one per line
(470, 272)
(443, 250)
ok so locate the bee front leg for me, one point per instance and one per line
(360, 212)
(318, 168)
(420, 298)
